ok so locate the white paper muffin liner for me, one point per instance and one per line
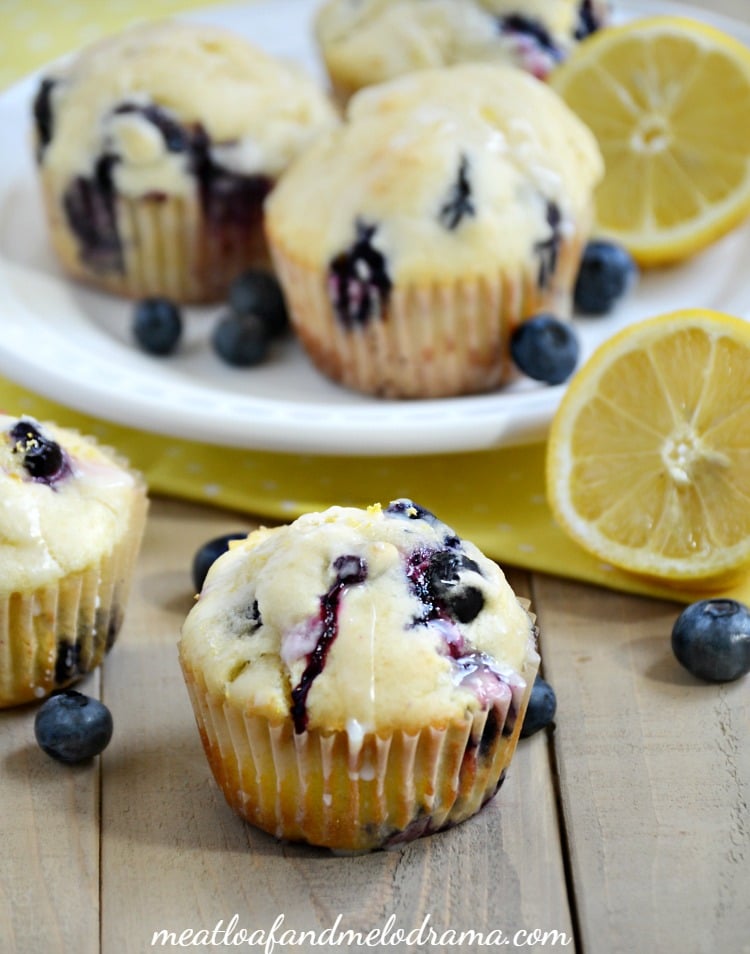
(169, 248)
(52, 636)
(352, 791)
(436, 339)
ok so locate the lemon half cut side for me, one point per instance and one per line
(668, 100)
(648, 456)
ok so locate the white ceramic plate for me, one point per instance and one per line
(73, 345)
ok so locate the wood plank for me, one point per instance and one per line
(49, 832)
(175, 857)
(654, 774)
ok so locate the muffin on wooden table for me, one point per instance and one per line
(359, 677)
(71, 522)
(156, 149)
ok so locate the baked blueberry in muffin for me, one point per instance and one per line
(358, 281)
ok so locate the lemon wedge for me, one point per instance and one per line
(648, 457)
(668, 100)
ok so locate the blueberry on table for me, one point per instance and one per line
(157, 325)
(711, 639)
(257, 292)
(207, 555)
(606, 273)
(545, 349)
(241, 340)
(71, 727)
(541, 708)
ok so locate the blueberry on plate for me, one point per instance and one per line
(711, 639)
(207, 555)
(71, 727)
(241, 340)
(545, 349)
(157, 325)
(541, 708)
(257, 292)
(606, 273)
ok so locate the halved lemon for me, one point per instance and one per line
(668, 99)
(648, 458)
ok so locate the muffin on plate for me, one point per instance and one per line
(359, 677)
(156, 149)
(71, 522)
(363, 42)
(410, 241)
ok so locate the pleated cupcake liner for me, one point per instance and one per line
(432, 340)
(52, 636)
(168, 248)
(354, 791)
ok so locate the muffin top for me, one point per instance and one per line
(64, 502)
(442, 174)
(360, 621)
(369, 41)
(158, 99)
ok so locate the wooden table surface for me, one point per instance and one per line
(625, 829)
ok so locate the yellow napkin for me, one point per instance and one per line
(495, 498)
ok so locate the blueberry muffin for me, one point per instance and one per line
(156, 149)
(359, 677)
(71, 523)
(410, 241)
(363, 42)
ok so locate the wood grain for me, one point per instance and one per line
(655, 777)
(653, 766)
(49, 843)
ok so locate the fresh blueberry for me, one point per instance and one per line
(541, 708)
(72, 727)
(606, 273)
(43, 458)
(711, 639)
(241, 340)
(207, 555)
(157, 325)
(545, 348)
(257, 292)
